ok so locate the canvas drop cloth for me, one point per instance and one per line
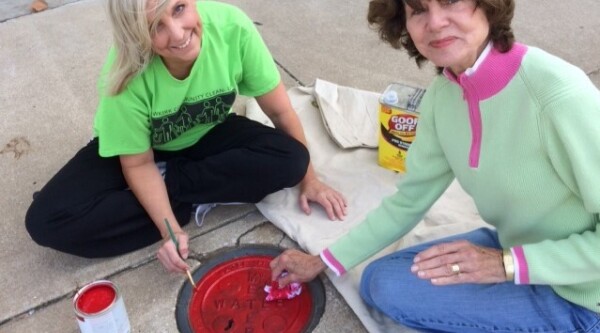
(337, 121)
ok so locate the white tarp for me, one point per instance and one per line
(348, 118)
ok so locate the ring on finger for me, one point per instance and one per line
(455, 269)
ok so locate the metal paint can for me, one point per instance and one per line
(398, 118)
(99, 308)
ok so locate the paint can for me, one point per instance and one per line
(398, 117)
(99, 307)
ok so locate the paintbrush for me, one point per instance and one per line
(172, 235)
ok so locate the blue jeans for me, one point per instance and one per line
(389, 286)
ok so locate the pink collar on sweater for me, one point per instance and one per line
(494, 73)
(490, 77)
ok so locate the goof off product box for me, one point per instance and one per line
(398, 118)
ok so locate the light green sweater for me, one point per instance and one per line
(522, 137)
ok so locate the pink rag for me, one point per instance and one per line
(288, 292)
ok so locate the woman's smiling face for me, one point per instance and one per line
(449, 33)
(177, 35)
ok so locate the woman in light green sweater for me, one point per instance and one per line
(518, 128)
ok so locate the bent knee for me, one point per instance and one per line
(365, 285)
(388, 283)
(38, 231)
(374, 286)
(42, 229)
(296, 163)
(298, 169)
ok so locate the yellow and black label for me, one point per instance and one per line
(398, 120)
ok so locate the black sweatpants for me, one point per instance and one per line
(86, 209)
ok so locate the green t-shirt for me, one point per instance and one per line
(159, 111)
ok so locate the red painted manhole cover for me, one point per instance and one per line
(229, 297)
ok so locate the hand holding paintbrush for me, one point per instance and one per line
(174, 239)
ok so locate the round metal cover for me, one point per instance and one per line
(229, 297)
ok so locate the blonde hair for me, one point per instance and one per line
(132, 38)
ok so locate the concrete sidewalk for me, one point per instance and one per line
(49, 63)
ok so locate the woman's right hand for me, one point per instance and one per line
(300, 267)
(170, 258)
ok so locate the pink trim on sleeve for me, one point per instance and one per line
(521, 270)
(332, 263)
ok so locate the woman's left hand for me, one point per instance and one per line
(333, 201)
(459, 262)
(300, 267)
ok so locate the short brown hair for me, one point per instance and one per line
(389, 19)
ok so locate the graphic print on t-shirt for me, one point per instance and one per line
(204, 111)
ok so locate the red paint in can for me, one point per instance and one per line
(96, 299)
(99, 308)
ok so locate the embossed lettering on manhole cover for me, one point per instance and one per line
(229, 297)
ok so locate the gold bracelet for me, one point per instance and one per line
(509, 265)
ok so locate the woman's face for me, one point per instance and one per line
(178, 34)
(449, 33)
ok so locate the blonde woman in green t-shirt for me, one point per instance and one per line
(166, 139)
